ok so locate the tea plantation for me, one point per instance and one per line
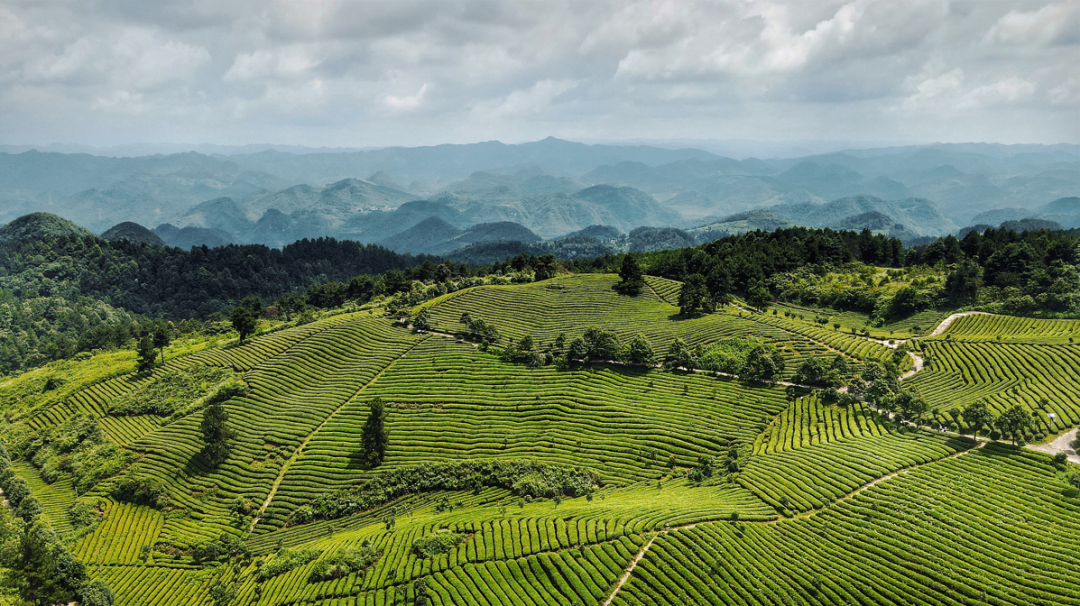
(594, 448)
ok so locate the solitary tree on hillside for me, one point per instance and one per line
(1015, 422)
(977, 415)
(216, 434)
(254, 304)
(545, 268)
(162, 337)
(422, 321)
(641, 352)
(376, 436)
(693, 296)
(631, 276)
(758, 296)
(243, 322)
(146, 354)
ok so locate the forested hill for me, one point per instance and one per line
(40, 258)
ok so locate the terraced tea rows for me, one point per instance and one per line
(858, 348)
(808, 421)
(1011, 329)
(290, 396)
(569, 306)
(449, 401)
(56, 498)
(121, 536)
(815, 476)
(812, 515)
(1003, 375)
(987, 527)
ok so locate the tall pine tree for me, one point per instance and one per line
(216, 434)
(146, 354)
(375, 436)
(631, 275)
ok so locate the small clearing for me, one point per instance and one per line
(1062, 443)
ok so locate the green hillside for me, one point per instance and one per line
(566, 477)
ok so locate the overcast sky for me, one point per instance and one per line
(359, 74)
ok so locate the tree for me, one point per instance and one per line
(146, 354)
(763, 363)
(96, 593)
(1015, 422)
(254, 304)
(693, 296)
(910, 405)
(422, 321)
(962, 283)
(641, 352)
(758, 296)
(41, 572)
(420, 591)
(162, 337)
(816, 371)
(603, 344)
(718, 282)
(680, 356)
(216, 434)
(545, 268)
(978, 415)
(222, 593)
(632, 278)
(579, 350)
(375, 435)
(243, 322)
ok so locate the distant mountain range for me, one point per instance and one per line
(545, 190)
(1064, 211)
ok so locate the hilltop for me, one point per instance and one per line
(596, 447)
(38, 226)
(132, 232)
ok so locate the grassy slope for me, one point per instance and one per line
(310, 384)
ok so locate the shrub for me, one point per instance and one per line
(286, 560)
(140, 490)
(434, 544)
(343, 562)
(524, 477)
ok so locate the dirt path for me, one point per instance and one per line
(917, 361)
(1062, 443)
(780, 520)
(300, 449)
(947, 321)
(630, 569)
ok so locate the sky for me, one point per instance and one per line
(381, 73)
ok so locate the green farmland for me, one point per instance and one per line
(517, 472)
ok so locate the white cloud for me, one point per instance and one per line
(422, 72)
(537, 100)
(409, 102)
(1052, 24)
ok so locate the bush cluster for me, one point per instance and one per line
(438, 543)
(524, 477)
(748, 358)
(343, 562)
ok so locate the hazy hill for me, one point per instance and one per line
(918, 216)
(739, 223)
(132, 232)
(1065, 211)
(435, 236)
(539, 185)
(192, 236)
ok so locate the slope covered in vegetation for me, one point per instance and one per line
(530, 443)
